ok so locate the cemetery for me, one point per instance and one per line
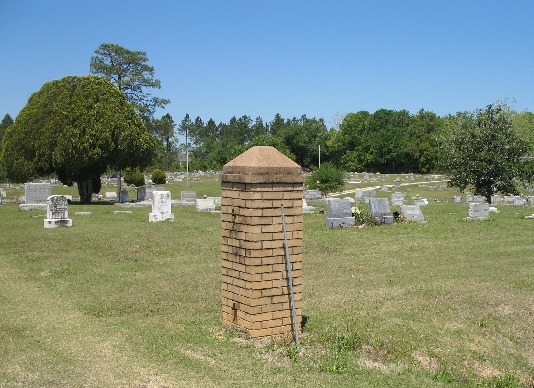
(395, 299)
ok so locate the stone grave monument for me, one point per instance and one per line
(57, 212)
(37, 193)
(161, 207)
(339, 214)
(205, 205)
(495, 199)
(364, 195)
(313, 195)
(189, 196)
(412, 213)
(255, 282)
(397, 198)
(478, 211)
(380, 211)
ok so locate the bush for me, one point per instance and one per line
(133, 176)
(329, 177)
(158, 177)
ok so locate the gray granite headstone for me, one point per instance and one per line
(37, 193)
(479, 210)
(508, 200)
(412, 213)
(189, 196)
(479, 199)
(339, 213)
(379, 208)
(312, 195)
(124, 196)
(364, 195)
(495, 199)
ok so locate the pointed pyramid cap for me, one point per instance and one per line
(267, 162)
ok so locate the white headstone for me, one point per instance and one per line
(161, 207)
(205, 205)
(57, 212)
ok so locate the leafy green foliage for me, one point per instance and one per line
(158, 177)
(484, 152)
(134, 176)
(326, 178)
(129, 72)
(78, 128)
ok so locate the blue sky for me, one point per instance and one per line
(218, 59)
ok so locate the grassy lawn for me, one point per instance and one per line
(116, 301)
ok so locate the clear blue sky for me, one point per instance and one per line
(218, 59)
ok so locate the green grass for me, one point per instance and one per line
(116, 301)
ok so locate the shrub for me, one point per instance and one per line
(329, 177)
(133, 176)
(158, 177)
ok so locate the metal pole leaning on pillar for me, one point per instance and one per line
(290, 280)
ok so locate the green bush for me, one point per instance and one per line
(329, 177)
(158, 177)
(133, 176)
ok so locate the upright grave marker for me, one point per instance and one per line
(161, 207)
(412, 213)
(339, 214)
(57, 212)
(37, 193)
(380, 211)
(255, 287)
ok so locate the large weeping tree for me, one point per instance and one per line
(77, 128)
(484, 152)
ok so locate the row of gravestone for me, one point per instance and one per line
(340, 212)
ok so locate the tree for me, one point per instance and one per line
(6, 123)
(163, 129)
(78, 128)
(326, 178)
(484, 152)
(128, 71)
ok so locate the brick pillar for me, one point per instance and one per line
(255, 288)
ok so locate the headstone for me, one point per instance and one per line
(470, 198)
(364, 195)
(189, 196)
(495, 199)
(313, 195)
(519, 201)
(457, 199)
(479, 199)
(479, 211)
(161, 207)
(396, 186)
(37, 193)
(149, 191)
(379, 208)
(205, 205)
(397, 199)
(508, 200)
(110, 195)
(339, 214)
(141, 194)
(412, 213)
(420, 201)
(306, 209)
(384, 188)
(57, 212)
(124, 196)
